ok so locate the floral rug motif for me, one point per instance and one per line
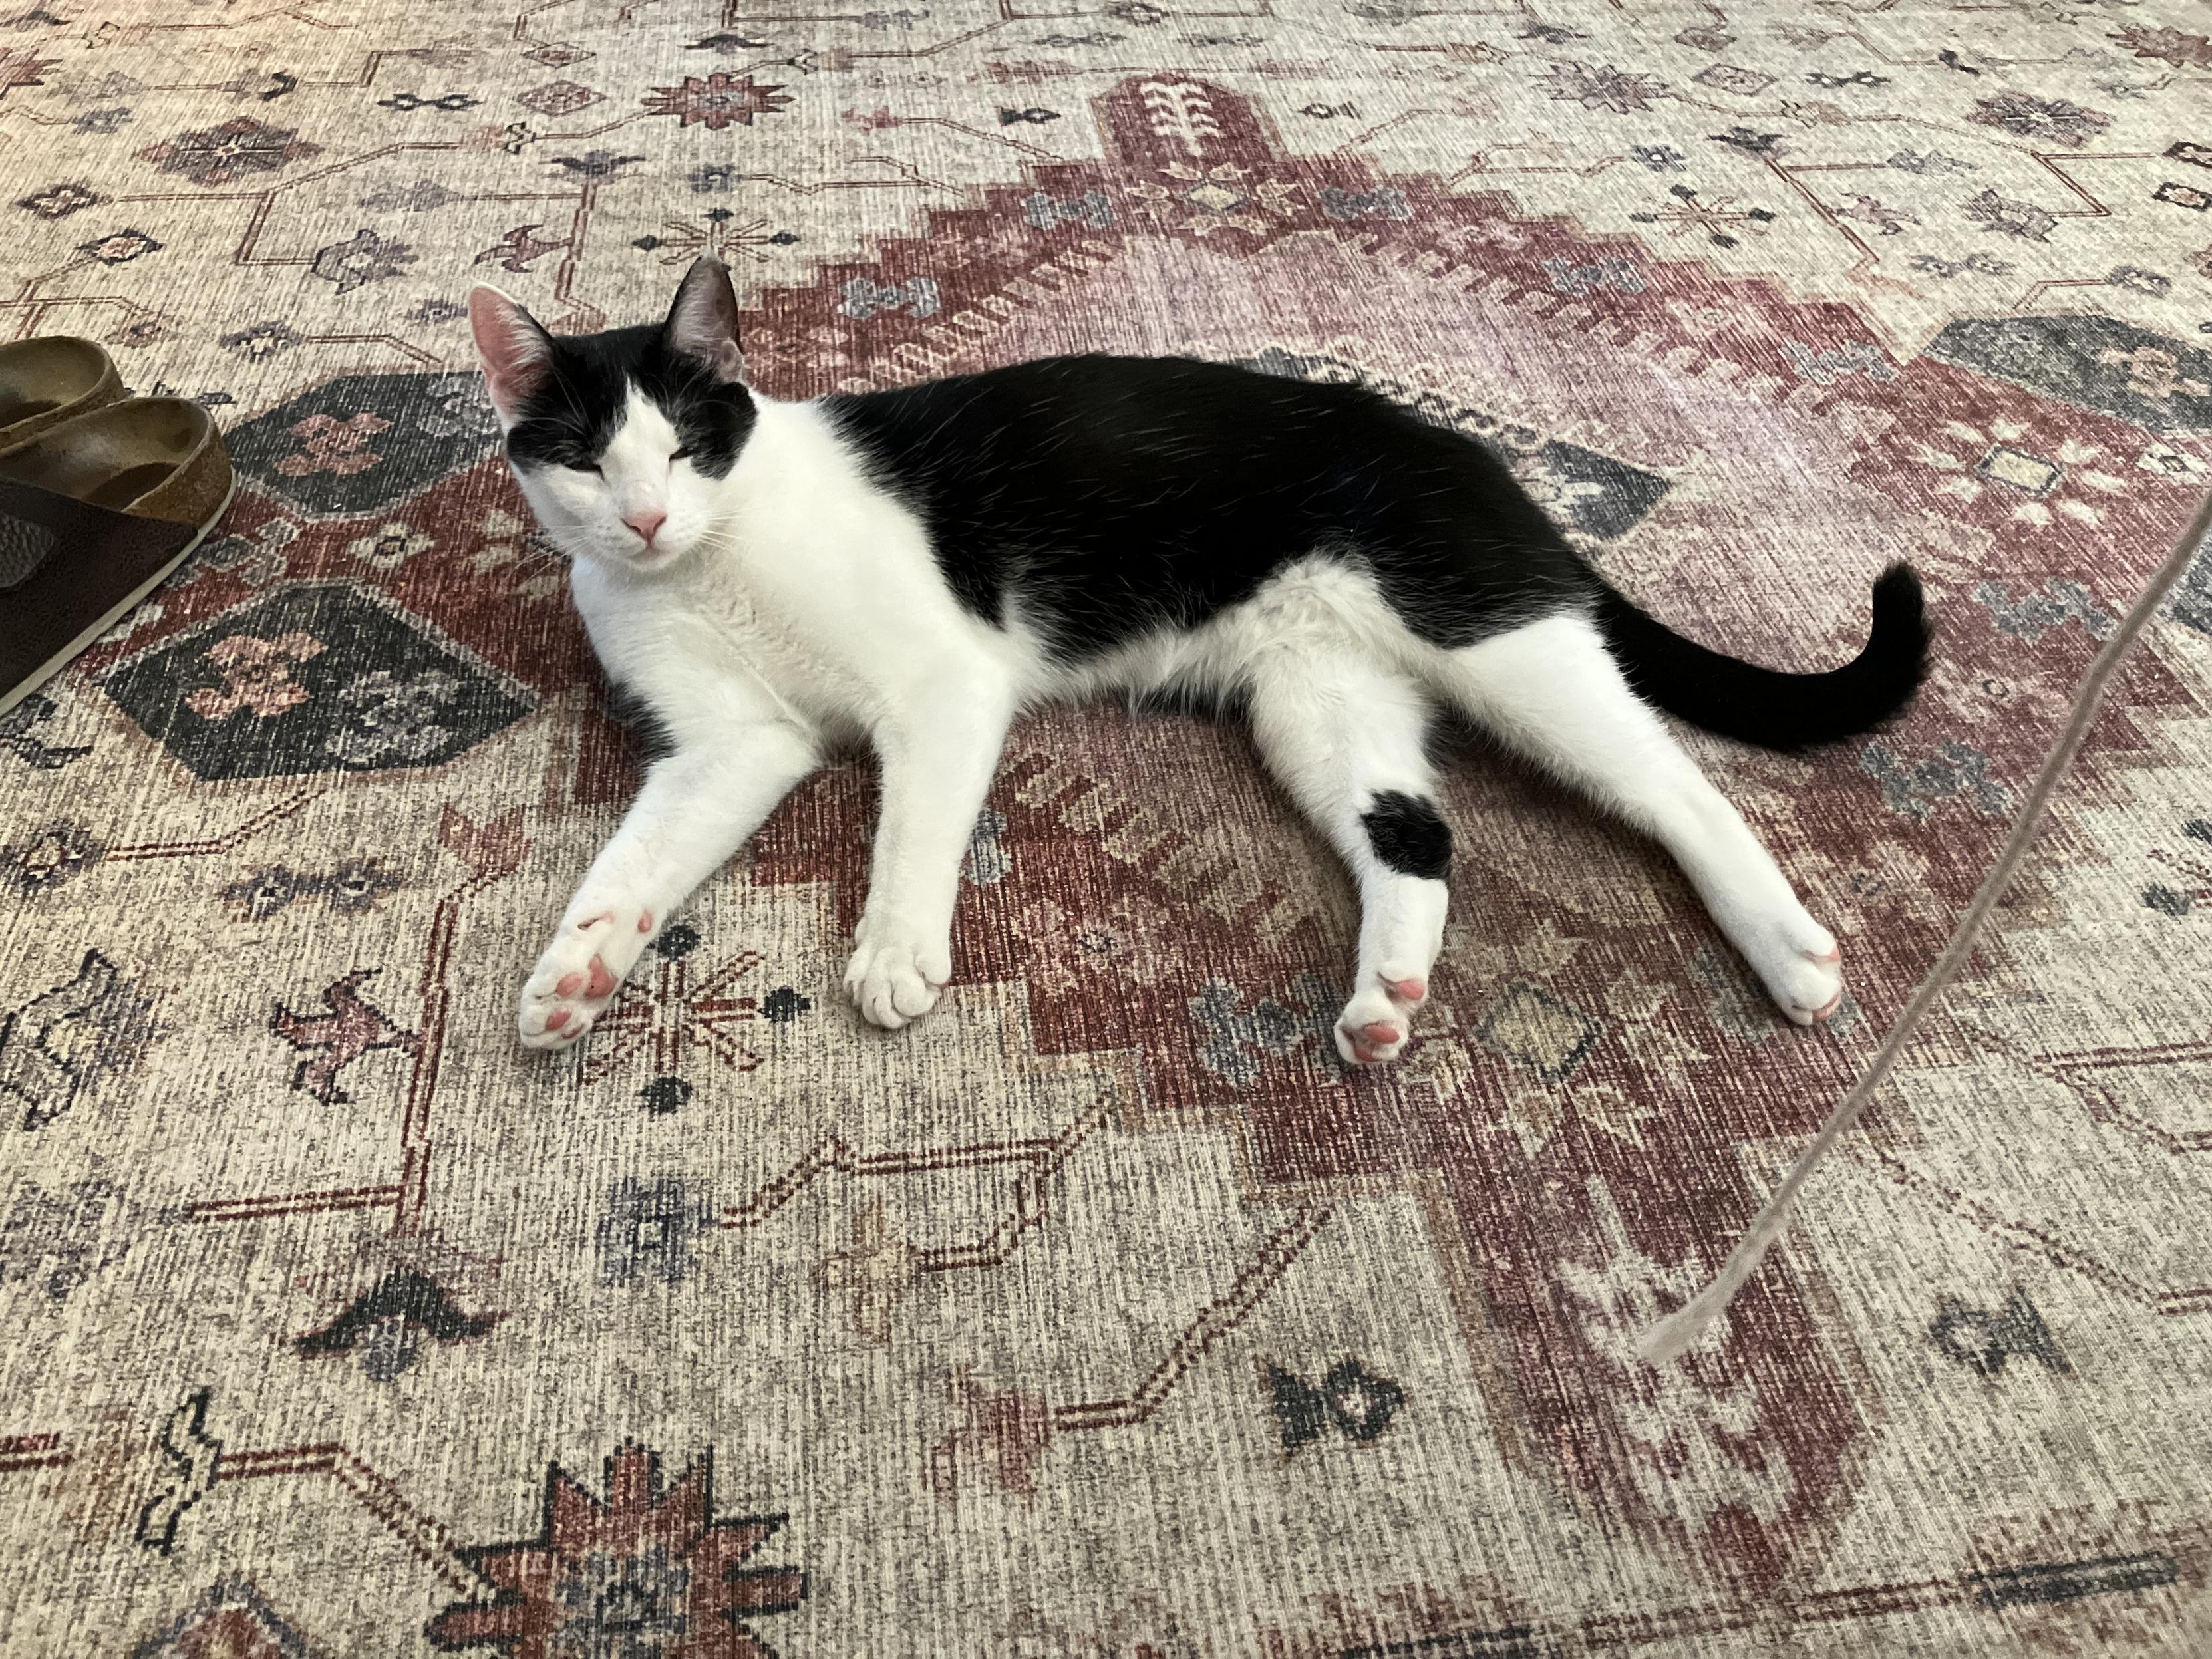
(1104, 1313)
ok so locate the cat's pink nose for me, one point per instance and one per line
(646, 521)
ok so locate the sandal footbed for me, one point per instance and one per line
(156, 457)
(45, 381)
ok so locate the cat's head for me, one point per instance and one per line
(619, 438)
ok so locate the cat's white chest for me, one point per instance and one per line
(692, 648)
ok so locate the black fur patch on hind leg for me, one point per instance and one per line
(1408, 835)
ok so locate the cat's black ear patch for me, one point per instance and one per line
(1408, 835)
(702, 324)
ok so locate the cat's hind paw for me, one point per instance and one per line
(1802, 966)
(1377, 1023)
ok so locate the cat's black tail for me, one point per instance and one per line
(1760, 705)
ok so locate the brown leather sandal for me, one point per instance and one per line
(94, 511)
(46, 382)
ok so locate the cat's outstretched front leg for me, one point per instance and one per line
(939, 752)
(696, 808)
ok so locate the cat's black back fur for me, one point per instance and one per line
(1104, 497)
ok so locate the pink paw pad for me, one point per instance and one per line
(556, 1019)
(1379, 1035)
(1834, 1003)
(603, 982)
(645, 922)
(569, 985)
(1407, 990)
(1836, 955)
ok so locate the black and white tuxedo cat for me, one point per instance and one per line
(911, 569)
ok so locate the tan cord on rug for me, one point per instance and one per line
(1669, 1338)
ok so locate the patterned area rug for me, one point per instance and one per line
(1104, 1313)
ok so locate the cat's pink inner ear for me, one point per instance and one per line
(517, 354)
(703, 321)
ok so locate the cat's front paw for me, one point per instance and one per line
(579, 974)
(895, 976)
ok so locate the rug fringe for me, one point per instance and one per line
(1668, 1338)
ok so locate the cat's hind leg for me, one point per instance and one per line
(1552, 691)
(1346, 739)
